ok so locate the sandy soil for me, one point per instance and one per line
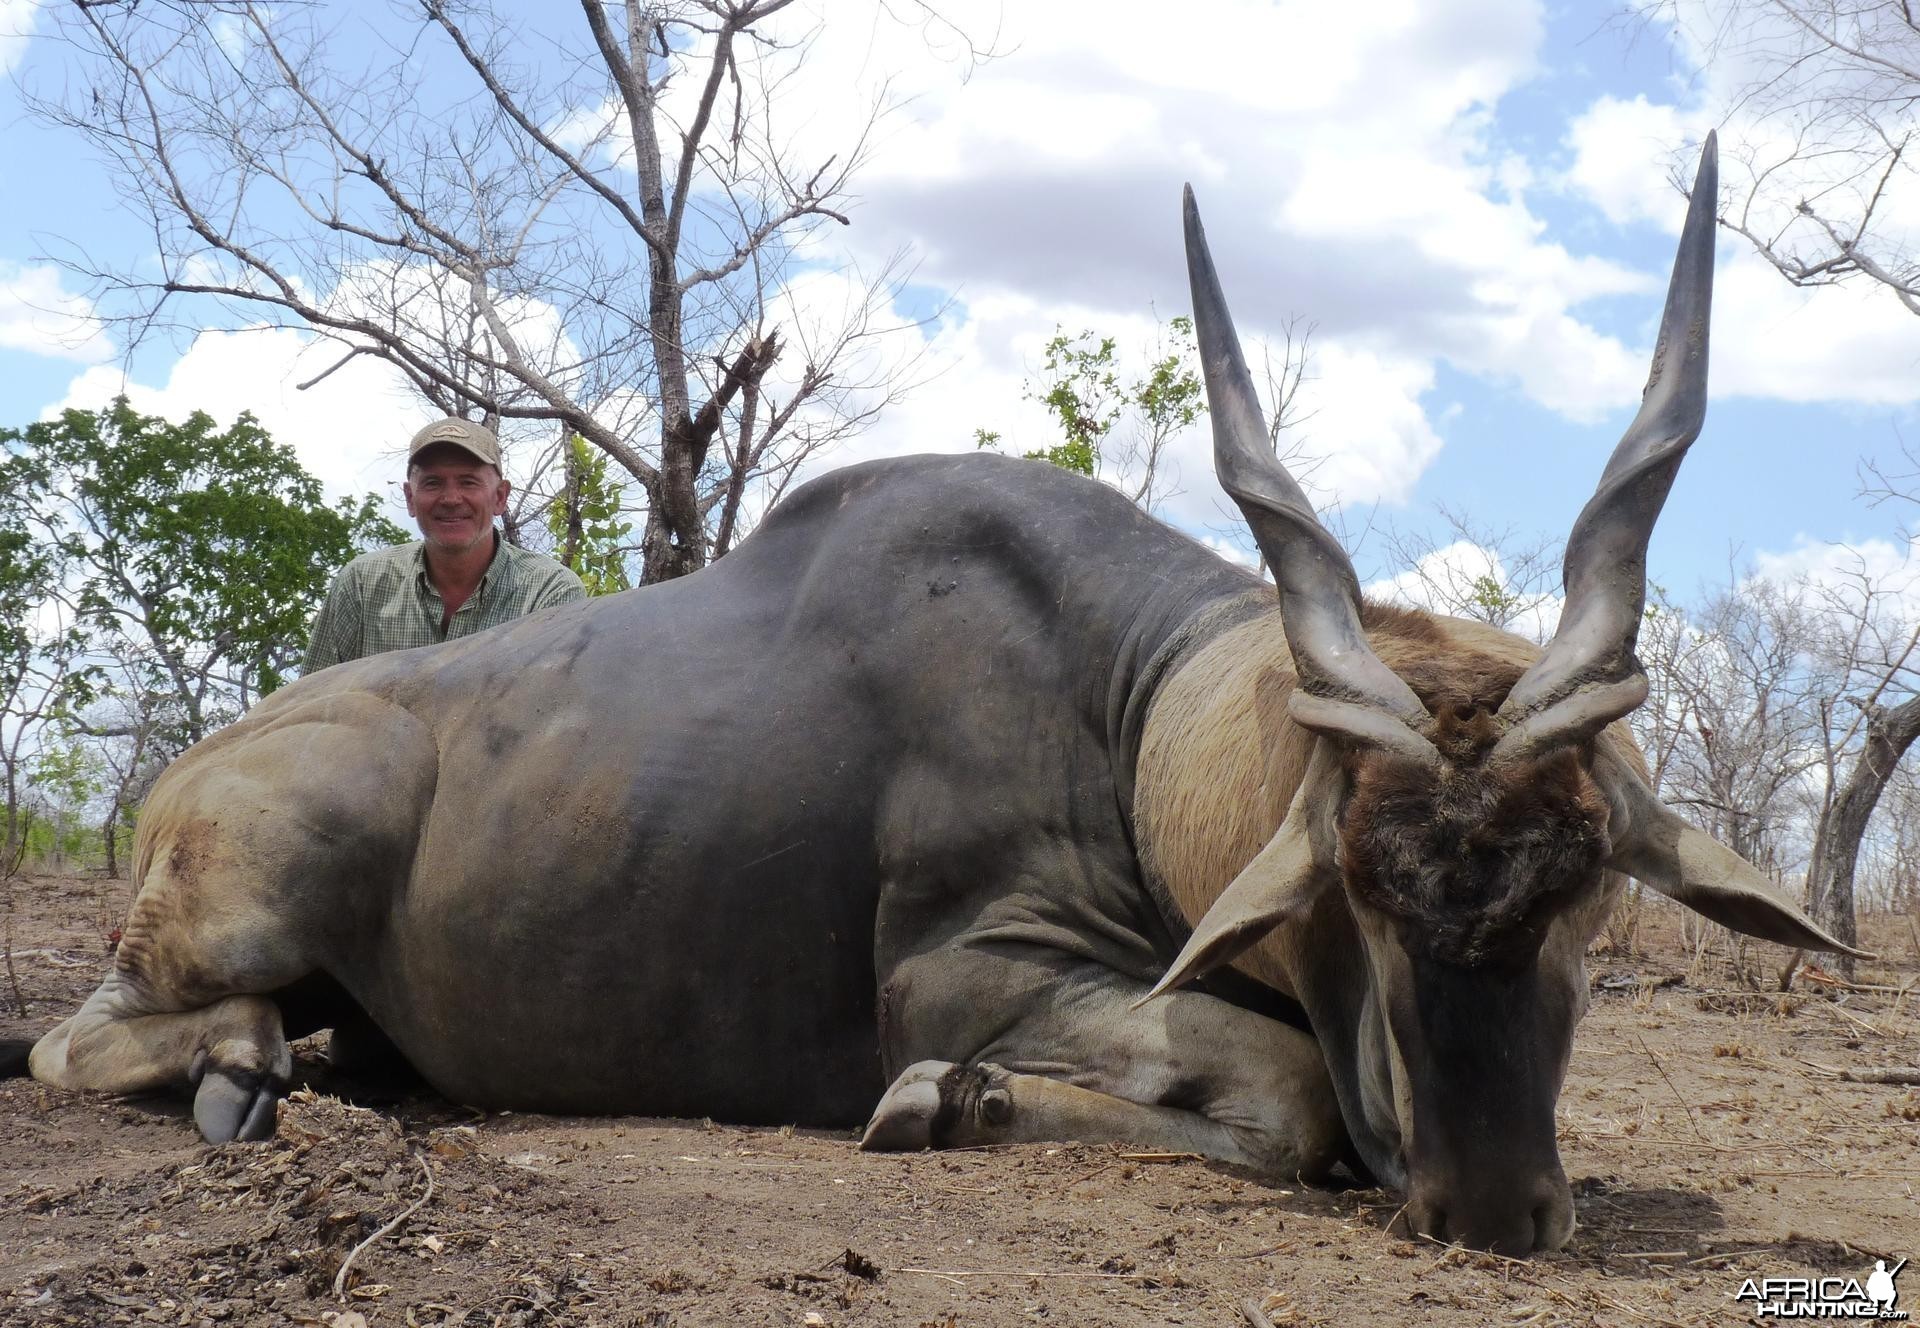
(1708, 1135)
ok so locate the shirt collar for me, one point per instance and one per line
(496, 565)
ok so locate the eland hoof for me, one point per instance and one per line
(937, 1104)
(233, 1102)
(904, 1120)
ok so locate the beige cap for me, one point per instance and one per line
(463, 434)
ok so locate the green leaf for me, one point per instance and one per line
(210, 547)
(585, 522)
(1080, 386)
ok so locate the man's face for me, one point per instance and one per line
(455, 497)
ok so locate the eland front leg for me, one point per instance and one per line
(1068, 1057)
(252, 875)
(232, 1053)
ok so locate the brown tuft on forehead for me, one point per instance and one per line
(1461, 687)
(1465, 731)
(1450, 664)
(1473, 864)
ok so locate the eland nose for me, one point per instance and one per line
(1514, 1219)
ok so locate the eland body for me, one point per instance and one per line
(965, 788)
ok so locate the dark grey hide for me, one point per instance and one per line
(702, 824)
(658, 852)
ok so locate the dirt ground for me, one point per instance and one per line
(1706, 1127)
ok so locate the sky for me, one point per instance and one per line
(1471, 204)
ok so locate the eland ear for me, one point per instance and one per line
(1283, 880)
(1690, 867)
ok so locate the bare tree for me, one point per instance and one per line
(591, 228)
(1284, 381)
(1868, 725)
(1667, 643)
(37, 682)
(1821, 108)
(1495, 576)
(1889, 872)
(1668, 646)
(1731, 727)
(1169, 399)
(42, 645)
(1742, 703)
(1779, 713)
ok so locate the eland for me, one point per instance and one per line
(964, 788)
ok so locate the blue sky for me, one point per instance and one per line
(1470, 205)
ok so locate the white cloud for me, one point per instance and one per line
(1851, 343)
(1619, 150)
(1043, 190)
(1878, 558)
(16, 30)
(350, 429)
(1051, 177)
(1840, 574)
(1239, 74)
(600, 134)
(975, 365)
(1458, 578)
(1234, 551)
(1364, 437)
(1556, 359)
(39, 316)
(232, 36)
(1847, 343)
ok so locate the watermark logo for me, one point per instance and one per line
(1874, 1297)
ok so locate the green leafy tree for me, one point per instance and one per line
(587, 521)
(68, 778)
(1494, 600)
(132, 726)
(1082, 386)
(41, 672)
(1171, 397)
(205, 548)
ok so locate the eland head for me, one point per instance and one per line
(1459, 838)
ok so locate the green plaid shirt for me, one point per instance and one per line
(383, 601)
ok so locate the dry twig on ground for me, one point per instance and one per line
(346, 1264)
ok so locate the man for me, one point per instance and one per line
(460, 578)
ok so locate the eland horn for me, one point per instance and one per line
(1589, 675)
(1345, 691)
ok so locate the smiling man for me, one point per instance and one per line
(460, 578)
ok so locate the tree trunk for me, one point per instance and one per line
(110, 841)
(738, 463)
(10, 840)
(570, 547)
(1836, 843)
(675, 542)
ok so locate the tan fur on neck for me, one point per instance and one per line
(1220, 757)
